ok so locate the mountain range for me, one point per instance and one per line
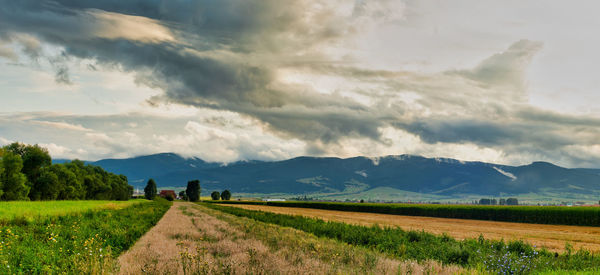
(329, 176)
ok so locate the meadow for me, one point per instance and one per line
(32, 210)
(495, 256)
(585, 216)
(83, 241)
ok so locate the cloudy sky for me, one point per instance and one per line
(501, 81)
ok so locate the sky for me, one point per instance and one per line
(508, 82)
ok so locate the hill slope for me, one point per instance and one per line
(306, 175)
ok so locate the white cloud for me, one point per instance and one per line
(62, 125)
(138, 28)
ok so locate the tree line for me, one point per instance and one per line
(191, 193)
(27, 173)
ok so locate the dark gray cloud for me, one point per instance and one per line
(229, 55)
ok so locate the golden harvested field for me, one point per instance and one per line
(552, 237)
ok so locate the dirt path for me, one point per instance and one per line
(158, 251)
(206, 241)
(553, 237)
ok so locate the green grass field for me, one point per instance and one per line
(30, 210)
(73, 237)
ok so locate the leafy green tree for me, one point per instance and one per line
(14, 182)
(46, 186)
(225, 195)
(69, 187)
(215, 195)
(34, 159)
(512, 201)
(150, 189)
(193, 190)
(1, 172)
(183, 195)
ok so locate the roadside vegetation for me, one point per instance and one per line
(585, 216)
(85, 242)
(496, 256)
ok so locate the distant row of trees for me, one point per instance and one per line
(509, 201)
(191, 193)
(27, 173)
(225, 195)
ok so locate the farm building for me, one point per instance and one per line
(165, 193)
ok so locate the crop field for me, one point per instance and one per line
(585, 216)
(85, 238)
(30, 210)
(160, 237)
(475, 254)
(551, 237)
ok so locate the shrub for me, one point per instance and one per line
(215, 195)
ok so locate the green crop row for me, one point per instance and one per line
(86, 242)
(499, 257)
(585, 216)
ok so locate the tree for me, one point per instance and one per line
(34, 159)
(225, 195)
(46, 187)
(485, 201)
(215, 195)
(512, 201)
(14, 182)
(1, 172)
(193, 190)
(150, 189)
(183, 195)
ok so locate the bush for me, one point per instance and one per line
(215, 195)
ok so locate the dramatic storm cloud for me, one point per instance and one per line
(264, 79)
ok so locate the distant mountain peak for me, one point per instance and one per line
(441, 177)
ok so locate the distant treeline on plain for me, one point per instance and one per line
(27, 173)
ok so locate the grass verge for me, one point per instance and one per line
(77, 243)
